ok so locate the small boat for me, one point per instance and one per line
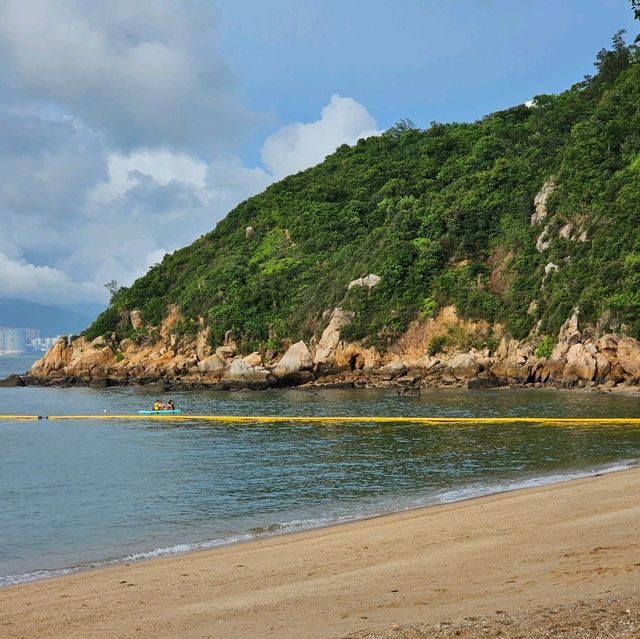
(175, 411)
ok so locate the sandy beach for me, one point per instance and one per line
(570, 546)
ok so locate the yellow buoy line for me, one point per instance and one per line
(270, 419)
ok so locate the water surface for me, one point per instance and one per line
(89, 492)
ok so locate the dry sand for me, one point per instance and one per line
(569, 546)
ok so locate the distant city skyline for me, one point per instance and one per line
(127, 134)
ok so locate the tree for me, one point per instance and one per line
(635, 5)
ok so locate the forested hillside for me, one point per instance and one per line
(443, 216)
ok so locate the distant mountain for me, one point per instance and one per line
(50, 320)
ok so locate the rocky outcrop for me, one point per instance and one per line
(242, 375)
(326, 347)
(629, 355)
(295, 366)
(578, 359)
(540, 202)
(368, 281)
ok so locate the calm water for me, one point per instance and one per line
(77, 494)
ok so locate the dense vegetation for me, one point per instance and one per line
(442, 215)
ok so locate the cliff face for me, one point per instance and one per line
(579, 359)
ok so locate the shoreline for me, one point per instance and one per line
(314, 551)
(470, 493)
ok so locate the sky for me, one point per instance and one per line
(129, 129)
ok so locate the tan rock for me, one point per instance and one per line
(136, 320)
(253, 359)
(629, 355)
(608, 342)
(580, 363)
(463, 366)
(240, 371)
(326, 348)
(58, 356)
(567, 336)
(212, 364)
(297, 358)
(603, 366)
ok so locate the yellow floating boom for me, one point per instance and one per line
(6, 417)
(270, 419)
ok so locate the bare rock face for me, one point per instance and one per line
(540, 202)
(326, 348)
(55, 359)
(136, 320)
(464, 366)
(567, 337)
(297, 358)
(369, 281)
(629, 355)
(249, 231)
(580, 363)
(212, 364)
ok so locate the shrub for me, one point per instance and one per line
(545, 347)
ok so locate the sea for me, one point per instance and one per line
(88, 493)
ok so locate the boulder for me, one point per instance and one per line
(330, 338)
(629, 355)
(242, 375)
(603, 366)
(485, 379)
(136, 320)
(608, 344)
(254, 359)
(369, 281)
(212, 364)
(296, 358)
(463, 366)
(393, 370)
(58, 356)
(508, 372)
(580, 363)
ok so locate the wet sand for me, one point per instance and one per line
(520, 552)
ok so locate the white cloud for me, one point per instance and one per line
(115, 124)
(299, 146)
(146, 71)
(162, 165)
(19, 278)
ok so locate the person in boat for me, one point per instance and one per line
(158, 405)
(170, 405)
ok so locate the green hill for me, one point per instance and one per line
(443, 216)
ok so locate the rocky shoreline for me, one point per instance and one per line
(586, 359)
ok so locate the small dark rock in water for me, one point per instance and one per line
(483, 380)
(12, 380)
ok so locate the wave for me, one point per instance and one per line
(296, 525)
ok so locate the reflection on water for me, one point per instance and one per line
(73, 493)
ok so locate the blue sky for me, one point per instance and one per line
(129, 129)
(442, 60)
